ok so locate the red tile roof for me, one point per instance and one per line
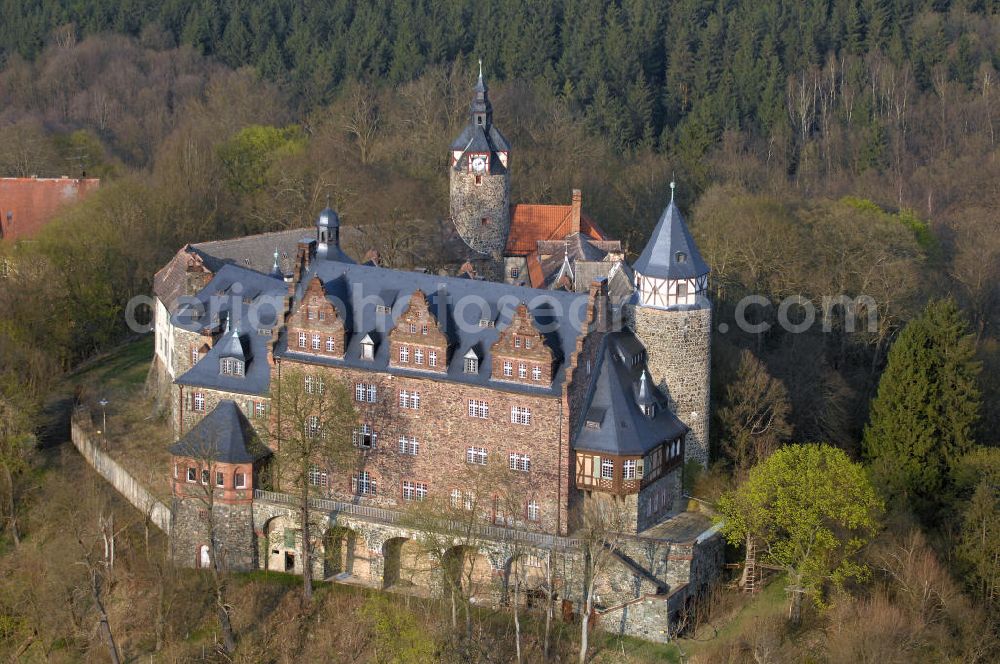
(27, 204)
(531, 223)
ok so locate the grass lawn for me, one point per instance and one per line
(136, 437)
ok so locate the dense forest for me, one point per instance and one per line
(821, 148)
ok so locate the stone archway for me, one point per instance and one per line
(469, 568)
(281, 539)
(392, 561)
(340, 546)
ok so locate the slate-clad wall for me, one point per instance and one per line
(678, 344)
(471, 202)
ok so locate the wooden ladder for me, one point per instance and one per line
(751, 573)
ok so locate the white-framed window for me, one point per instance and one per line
(199, 402)
(456, 498)
(520, 415)
(476, 455)
(479, 408)
(363, 484)
(517, 341)
(471, 365)
(508, 368)
(418, 355)
(312, 426)
(311, 313)
(364, 437)
(414, 490)
(413, 328)
(259, 409)
(220, 478)
(204, 476)
(366, 392)
(192, 474)
(408, 445)
(318, 477)
(515, 272)
(367, 350)
(432, 358)
(240, 480)
(536, 373)
(520, 462)
(230, 366)
(607, 469)
(522, 370)
(404, 353)
(315, 342)
(628, 469)
(314, 385)
(423, 329)
(195, 356)
(330, 345)
(527, 342)
(533, 512)
(302, 339)
(409, 399)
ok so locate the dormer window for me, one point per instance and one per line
(230, 366)
(681, 257)
(367, 348)
(649, 410)
(471, 362)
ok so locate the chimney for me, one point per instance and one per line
(577, 207)
(601, 302)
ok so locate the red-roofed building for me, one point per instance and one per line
(543, 237)
(27, 204)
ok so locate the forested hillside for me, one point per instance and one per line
(845, 147)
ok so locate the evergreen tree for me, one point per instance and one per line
(927, 406)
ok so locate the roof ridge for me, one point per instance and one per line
(255, 235)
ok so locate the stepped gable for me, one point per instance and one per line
(471, 313)
(247, 301)
(614, 422)
(224, 435)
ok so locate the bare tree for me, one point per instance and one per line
(311, 434)
(363, 120)
(600, 534)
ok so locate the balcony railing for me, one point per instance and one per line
(393, 517)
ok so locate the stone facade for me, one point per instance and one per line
(235, 540)
(480, 209)
(678, 347)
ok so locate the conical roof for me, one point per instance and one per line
(671, 252)
(231, 345)
(224, 435)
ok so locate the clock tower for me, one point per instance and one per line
(479, 179)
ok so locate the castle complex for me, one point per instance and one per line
(585, 377)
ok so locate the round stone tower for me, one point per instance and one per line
(671, 314)
(479, 179)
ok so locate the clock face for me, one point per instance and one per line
(479, 164)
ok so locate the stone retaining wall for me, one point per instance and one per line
(83, 435)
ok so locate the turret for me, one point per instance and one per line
(479, 178)
(670, 313)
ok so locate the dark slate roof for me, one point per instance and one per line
(224, 435)
(670, 237)
(329, 218)
(477, 138)
(621, 427)
(233, 344)
(228, 292)
(458, 304)
(255, 252)
(580, 249)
